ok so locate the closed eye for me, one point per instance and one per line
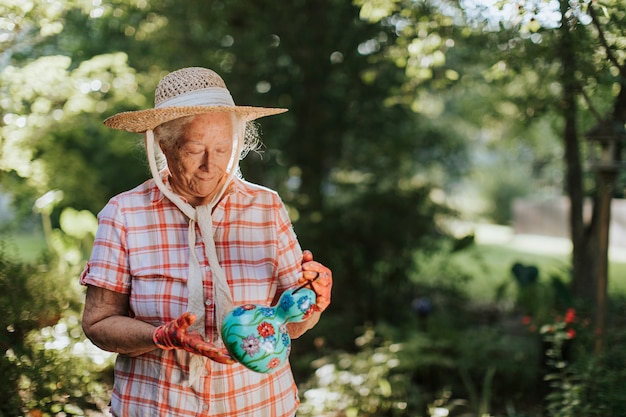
(193, 150)
(223, 150)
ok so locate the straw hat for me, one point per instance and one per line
(186, 92)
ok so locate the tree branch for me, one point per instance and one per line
(591, 107)
(603, 41)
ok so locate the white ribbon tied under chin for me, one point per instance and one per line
(201, 215)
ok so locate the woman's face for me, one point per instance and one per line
(199, 159)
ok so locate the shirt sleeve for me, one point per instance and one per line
(108, 265)
(289, 251)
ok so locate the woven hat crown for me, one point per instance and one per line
(184, 81)
(186, 92)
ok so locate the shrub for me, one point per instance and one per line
(42, 350)
(583, 383)
(366, 383)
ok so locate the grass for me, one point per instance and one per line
(490, 265)
(497, 249)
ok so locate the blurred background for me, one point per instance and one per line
(457, 164)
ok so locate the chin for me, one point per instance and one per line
(205, 195)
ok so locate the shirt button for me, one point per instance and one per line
(207, 268)
(207, 302)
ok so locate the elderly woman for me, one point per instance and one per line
(174, 255)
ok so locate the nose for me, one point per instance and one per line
(206, 161)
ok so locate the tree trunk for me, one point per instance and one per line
(583, 265)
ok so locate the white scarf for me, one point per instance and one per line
(201, 215)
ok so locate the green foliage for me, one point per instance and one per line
(33, 297)
(366, 383)
(482, 357)
(48, 367)
(61, 372)
(458, 356)
(50, 142)
(583, 384)
(564, 397)
(603, 378)
(476, 371)
(378, 232)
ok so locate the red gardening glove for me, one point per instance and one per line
(319, 279)
(174, 335)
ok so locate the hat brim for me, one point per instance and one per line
(142, 120)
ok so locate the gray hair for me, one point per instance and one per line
(167, 135)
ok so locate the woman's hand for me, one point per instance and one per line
(319, 278)
(175, 335)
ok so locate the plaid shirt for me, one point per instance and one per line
(141, 249)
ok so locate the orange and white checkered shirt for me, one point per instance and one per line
(141, 249)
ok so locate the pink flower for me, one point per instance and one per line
(250, 345)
